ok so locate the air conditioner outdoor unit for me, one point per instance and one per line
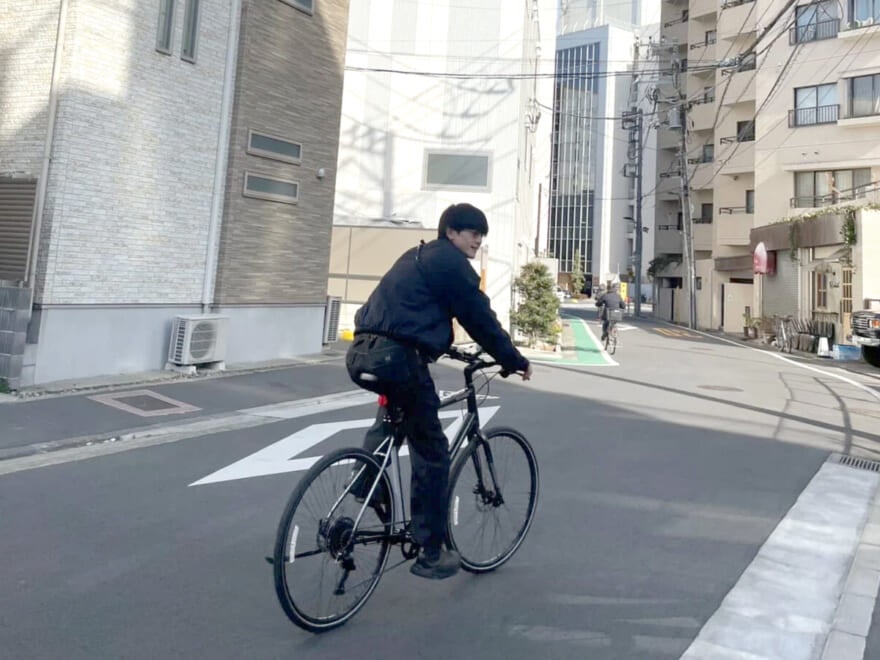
(331, 319)
(198, 340)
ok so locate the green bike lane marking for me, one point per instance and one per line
(587, 349)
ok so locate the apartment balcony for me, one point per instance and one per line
(702, 51)
(814, 31)
(859, 28)
(703, 176)
(733, 225)
(703, 116)
(702, 233)
(676, 29)
(736, 18)
(738, 157)
(668, 240)
(669, 188)
(668, 139)
(699, 8)
(740, 89)
(823, 114)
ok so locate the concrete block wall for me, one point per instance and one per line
(14, 316)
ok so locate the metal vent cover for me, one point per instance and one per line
(856, 462)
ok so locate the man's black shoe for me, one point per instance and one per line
(437, 564)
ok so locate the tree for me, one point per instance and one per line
(536, 315)
(577, 274)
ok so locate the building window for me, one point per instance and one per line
(864, 12)
(750, 201)
(745, 131)
(445, 169)
(816, 104)
(826, 187)
(815, 21)
(308, 6)
(708, 153)
(274, 190)
(705, 214)
(190, 31)
(708, 94)
(711, 36)
(166, 24)
(268, 146)
(864, 96)
(820, 290)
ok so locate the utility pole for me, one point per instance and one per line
(681, 108)
(637, 262)
(632, 121)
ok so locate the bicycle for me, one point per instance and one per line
(327, 525)
(614, 315)
(783, 338)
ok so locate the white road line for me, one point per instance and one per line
(279, 457)
(784, 603)
(795, 363)
(608, 359)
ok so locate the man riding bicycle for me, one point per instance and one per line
(405, 324)
(607, 301)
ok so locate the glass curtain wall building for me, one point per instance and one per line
(573, 176)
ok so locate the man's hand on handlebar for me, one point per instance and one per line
(527, 374)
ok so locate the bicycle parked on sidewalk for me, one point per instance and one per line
(614, 317)
(784, 334)
(332, 546)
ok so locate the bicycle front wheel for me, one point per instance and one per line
(493, 490)
(325, 565)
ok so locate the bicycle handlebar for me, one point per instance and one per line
(473, 360)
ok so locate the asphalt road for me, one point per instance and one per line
(661, 479)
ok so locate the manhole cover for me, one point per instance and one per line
(720, 388)
(144, 403)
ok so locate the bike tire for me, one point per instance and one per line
(468, 507)
(612, 344)
(328, 477)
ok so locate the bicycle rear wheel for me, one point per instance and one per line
(493, 492)
(324, 568)
(612, 340)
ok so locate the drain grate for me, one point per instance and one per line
(857, 463)
(720, 388)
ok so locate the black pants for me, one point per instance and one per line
(429, 457)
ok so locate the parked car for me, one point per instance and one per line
(866, 333)
(562, 294)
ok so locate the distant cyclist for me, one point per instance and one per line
(609, 300)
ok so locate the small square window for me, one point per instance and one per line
(271, 189)
(308, 6)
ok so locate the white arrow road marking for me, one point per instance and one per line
(278, 457)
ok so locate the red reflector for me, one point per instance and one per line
(383, 401)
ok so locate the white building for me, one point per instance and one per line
(441, 106)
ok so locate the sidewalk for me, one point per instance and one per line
(43, 419)
(853, 366)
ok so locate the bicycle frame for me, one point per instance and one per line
(388, 451)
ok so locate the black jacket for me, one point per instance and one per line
(418, 297)
(610, 300)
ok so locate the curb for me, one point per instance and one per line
(160, 378)
(852, 620)
(218, 423)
